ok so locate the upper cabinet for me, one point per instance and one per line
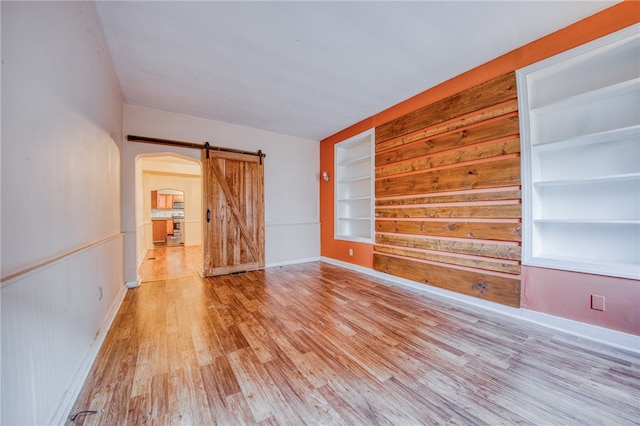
(163, 199)
(354, 188)
(580, 133)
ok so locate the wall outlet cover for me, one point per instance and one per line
(597, 302)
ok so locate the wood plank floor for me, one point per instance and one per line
(318, 344)
(164, 262)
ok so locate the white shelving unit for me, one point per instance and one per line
(354, 160)
(580, 132)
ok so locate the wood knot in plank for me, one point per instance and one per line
(482, 286)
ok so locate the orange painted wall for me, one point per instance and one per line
(610, 20)
(330, 247)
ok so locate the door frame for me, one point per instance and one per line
(131, 241)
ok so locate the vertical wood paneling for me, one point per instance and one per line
(448, 203)
(233, 188)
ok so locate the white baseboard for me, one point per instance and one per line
(71, 395)
(607, 336)
(292, 262)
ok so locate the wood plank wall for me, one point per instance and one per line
(448, 200)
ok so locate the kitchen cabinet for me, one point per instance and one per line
(169, 226)
(172, 198)
(159, 230)
(164, 201)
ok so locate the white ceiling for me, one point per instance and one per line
(306, 68)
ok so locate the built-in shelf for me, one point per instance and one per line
(355, 198)
(354, 188)
(578, 264)
(580, 133)
(625, 88)
(590, 221)
(361, 159)
(589, 181)
(609, 136)
(356, 179)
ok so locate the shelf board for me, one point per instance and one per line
(622, 88)
(587, 265)
(609, 178)
(589, 221)
(355, 198)
(354, 180)
(355, 238)
(353, 161)
(583, 260)
(608, 136)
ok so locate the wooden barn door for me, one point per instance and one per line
(233, 201)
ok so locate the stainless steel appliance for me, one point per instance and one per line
(178, 205)
(178, 220)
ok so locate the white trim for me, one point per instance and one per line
(69, 398)
(144, 253)
(55, 260)
(595, 333)
(615, 38)
(292, 262)
(607, 336)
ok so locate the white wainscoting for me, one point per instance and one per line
(144, 240)
(53, 320)
(192, 233)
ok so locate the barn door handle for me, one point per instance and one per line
(208, 215)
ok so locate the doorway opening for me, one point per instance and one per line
(168, 216)
(231, 182)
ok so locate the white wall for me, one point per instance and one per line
(291, 178)
(61, 244)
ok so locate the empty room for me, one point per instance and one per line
(320, 213)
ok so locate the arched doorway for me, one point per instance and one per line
(168, 185)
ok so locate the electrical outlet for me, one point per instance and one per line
(597, 302)
(350, 252)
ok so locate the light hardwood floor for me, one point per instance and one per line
(163, 262)
(317, 344)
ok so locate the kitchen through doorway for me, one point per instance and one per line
(168, 215)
